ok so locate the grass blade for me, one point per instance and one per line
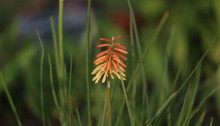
(139, 49)
(119, 114)
(199, 123)
(60, 37)
(78, 117)
(41, 78)
(10, 100)
(195, 111)
(88, 64)
(69, 90)
(52, 84)
(104, 112)
(199, 62)
(211, 122)
(185, 117)
(55, 46)
(127, 103)
(146, 49)
(162, 109)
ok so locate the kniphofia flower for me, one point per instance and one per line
(110, 61)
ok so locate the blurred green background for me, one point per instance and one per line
(191, 27)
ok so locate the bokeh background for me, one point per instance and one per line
(193, 25)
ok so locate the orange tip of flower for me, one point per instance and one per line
(102, 45)
(117, 38)
(104, 39)
(120, 50)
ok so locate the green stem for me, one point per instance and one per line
(61, 77)
(109, 102)
(60, 36)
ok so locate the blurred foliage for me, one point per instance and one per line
(189, 31)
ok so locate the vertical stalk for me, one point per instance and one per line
(60, 36)
(109, 102)
(61, 74)
(88, 64)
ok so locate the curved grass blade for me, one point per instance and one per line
(41, 77)
(10, 100)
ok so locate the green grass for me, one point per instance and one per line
(41, 77)
(181, 98)
(88, 96)
(10, 100)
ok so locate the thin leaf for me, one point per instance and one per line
(88, 64)
(52, 84)
(211, 122)
(201, 119)
(8, 95)
(78, 117)
(162, 109)
(41, 78)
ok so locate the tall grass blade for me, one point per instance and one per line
(139, 49)
(169, 120)
(195, 111)
(146, 49)
(176, 77)
(62, 70)
(10, 100)
(104, 112)
(78, 117)
(211, 122)
(88, 64)
(55, 46)
(133, 59)
(69, 90)
(60, 37)
(189, 100)
(127, 103)
(162, 109)
(201, 119)
(41, 78)
(165, 82)
(52, 84)
(199, 62)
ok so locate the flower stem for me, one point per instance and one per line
(109, 102)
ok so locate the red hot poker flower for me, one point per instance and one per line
(110, 61)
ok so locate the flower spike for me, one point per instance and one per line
(110, 61)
